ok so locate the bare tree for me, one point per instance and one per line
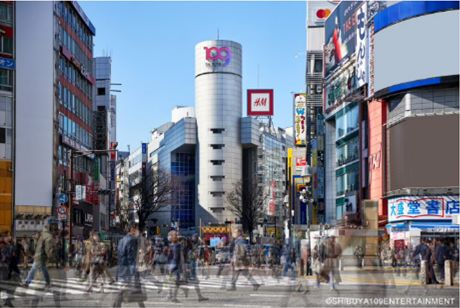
(247, 203)
(154, 192)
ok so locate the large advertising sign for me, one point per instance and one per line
(260, 102)
(423, 208)
(341, 33)
(300, 118)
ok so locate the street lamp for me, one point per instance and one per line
(304, 199)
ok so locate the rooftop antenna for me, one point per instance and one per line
(258, 72)
(217, 33)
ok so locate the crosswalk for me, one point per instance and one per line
(150, 283)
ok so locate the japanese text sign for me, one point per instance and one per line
(423, 207)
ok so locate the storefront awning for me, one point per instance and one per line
(435, 226)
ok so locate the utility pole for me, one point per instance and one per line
(71, 191)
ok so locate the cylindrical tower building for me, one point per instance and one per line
(218, 100)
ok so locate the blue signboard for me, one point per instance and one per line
(7, 63)
(63, 198)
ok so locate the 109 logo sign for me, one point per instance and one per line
(218, 56)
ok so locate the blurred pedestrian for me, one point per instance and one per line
(98, 252)
(359, 254)
(240, 260)
(425, 253)
(333, 251)
(44, 252)
(441, 255)
(131, 289)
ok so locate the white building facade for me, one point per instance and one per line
(218, 103)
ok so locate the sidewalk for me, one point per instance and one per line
(382, 276)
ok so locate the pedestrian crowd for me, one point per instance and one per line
(176, 260)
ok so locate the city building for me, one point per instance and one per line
(218, 107)
(317, 13)
(59, 122)
(7, 71)
(104, 108)
(412, 120)
(344, 91)
(265, 164)
(122, 188)
(137, 163)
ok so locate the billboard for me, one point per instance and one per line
(341, 29)
(300, 117)
(260, 102)
(421, 52)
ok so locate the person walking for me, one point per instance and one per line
(16, 251)
(359, 254)
(127, 273)
(240, 261)
(332, 253)
(97, 258)
(176, 266)
(425, 253)
(189, 250)
(441, 255)
(44, 252)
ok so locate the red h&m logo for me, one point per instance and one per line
(220, 56)
(260, 102)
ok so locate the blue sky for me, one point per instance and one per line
(152, 48)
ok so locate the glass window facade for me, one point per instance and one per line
(347, 121)
(347, 154)
(183, 169)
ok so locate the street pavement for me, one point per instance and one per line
(359, 288)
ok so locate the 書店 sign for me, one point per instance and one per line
(423, 207)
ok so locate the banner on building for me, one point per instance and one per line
(271, 208)
(423, 208)
(362, 48)
(340, 30)
(260, 102)
(300, 160)
(300, 118)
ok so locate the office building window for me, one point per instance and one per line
(2, 135)
(6, 13)
(217, 130)
(217, 177)
(100, 91)
(6, 44)
(217, 146)
(217, 193)
(6, 80)
(318, 66)
(217, 162)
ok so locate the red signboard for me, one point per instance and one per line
(260, 102)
